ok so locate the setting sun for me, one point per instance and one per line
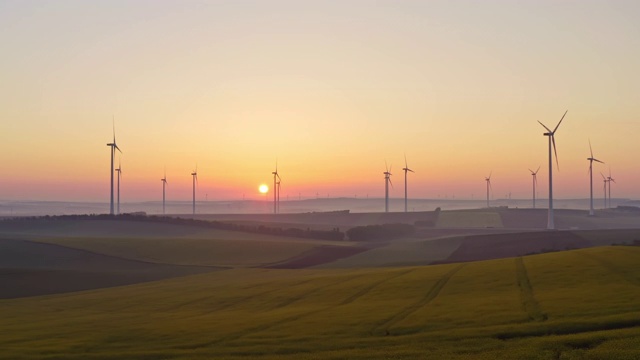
(263, 189)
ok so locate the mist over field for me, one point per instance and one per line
(41, 208)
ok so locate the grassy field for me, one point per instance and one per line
(469, 218)
(582, 304)
(214, 252)
(164, 243)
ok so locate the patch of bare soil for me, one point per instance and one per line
(318, 256)
(30, 269)
(497, 246)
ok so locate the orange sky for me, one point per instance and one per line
(330, 89)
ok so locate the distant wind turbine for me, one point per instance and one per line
(552, 140)
(194, 174)
(119, 170)
(114, 147)
(405, 169)
(534, 174)
(276, 178)
(610, 180)
(278, 190)
(591, 160)
(604, 178)
(164, 184)
(387, 181)
(488, 180)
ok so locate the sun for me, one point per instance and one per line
(263, 189)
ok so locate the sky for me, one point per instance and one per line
(330, 90)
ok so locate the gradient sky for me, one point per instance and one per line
(331, 89)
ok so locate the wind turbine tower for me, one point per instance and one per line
(610, 179)
(534, 175)
(164, 184)
(488, 180)
(591, 160)
(405, 169)
(195, 180)
(605, 189)
(113, 147)
(119, 170)
(276, 178)
(552, 140)
(387, 181)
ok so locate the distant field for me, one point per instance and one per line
(471, 218)
(401, 253)
(214, 252)
(581, 304)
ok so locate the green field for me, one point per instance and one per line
(582, 304)
(165, 243)
(469, 219)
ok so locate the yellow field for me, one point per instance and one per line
(582, 304)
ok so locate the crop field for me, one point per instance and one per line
(464, 219)
(581, 304)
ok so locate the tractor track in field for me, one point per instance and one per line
(611, 267)
(529, 302)
(367, 289)
(434, 291)
(267, 326)
(294, 299)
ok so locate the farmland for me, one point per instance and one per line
(124, 289)
(545, 306)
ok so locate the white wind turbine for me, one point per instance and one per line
(194, 174)
(119, 170)
(552, 140)
(387, 181)
(610, 180)
(591, 160)
(406, 169)
(488, 180)
(605, 189)
(113, 147)
(276, 192)
(164, 184)
(534, 174)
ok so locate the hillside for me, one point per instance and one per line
(580, 304)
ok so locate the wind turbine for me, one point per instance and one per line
(488, 180)
(276, 177)
(406, 169)
(552, 140)
(387, 181)
(119, 170)
(113, 146)
(195, 180)
(278, 190)
(534, 174)
(605, 189)
(610, 179)
(591, 160)
(164, 184)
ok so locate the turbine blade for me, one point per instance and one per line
(590, 149)
(553, 139)
(603, 177)
(116, 146)
(386, 166)
(601, 162)
(538, 169)
(405, 161)
(545, 126)
(557, 126)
